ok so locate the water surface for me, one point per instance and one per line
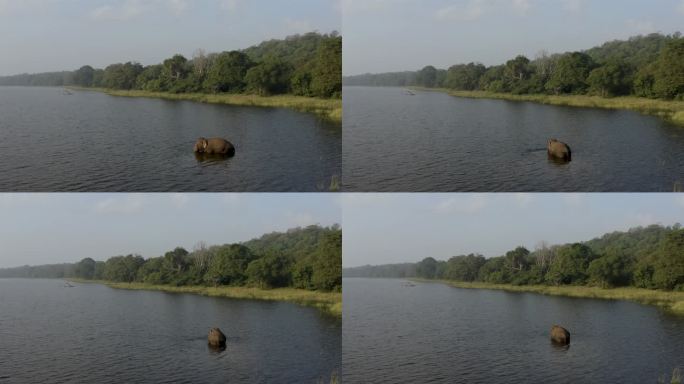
(95, 334)
(433, 333)
(436, 142)
(89, 141)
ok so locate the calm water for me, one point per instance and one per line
(436, 142)
(94, 142)
(439, 334)
(94, 334)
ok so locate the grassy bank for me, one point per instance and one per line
(670, 110)
(328, 302)
(672, 301)
(328, 108)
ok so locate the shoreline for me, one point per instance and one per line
(671, 301)
(327, 302)
(330, 109)
(669, 110)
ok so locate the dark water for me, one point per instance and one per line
(94, 334)
(436, 142)
(433, 333)
(90, 141)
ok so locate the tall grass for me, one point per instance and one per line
(669, 300)
(670, 110)
(328, 302)
(328, 108)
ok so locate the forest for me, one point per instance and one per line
(302, 65)
(306, 258)
(650, 66)
(644, 257)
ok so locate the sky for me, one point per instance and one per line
(398, 35)
(396, 228)
(53, 35)
(57, 228)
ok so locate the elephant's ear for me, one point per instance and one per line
(204, 144)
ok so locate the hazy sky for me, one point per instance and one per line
(396, 35)
(56, 228)
(394, 228)
(50, 35)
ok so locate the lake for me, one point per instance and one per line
(439, 334)
(90, 141)
(95, 334)
(436, 142)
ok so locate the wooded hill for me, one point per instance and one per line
(307, 258)
(649, 66)
(644, 257)
(302, 65)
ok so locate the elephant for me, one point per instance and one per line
(216, 338)
(559, 150)
(214, 146)
(560, 335)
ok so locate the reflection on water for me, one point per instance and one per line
(90, 141)
(436, 142)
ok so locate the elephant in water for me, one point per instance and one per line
(559, 150)
(214, 146)
(560, 335)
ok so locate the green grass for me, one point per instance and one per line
(328, 302)
(327, 108)
(670, 110)
(671, 301)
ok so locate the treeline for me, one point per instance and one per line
(302, 65)
(307, 258)
(647, 66)
(645, 257)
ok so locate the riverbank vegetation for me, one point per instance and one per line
(302, 265)
(647, 67)
(644, 264)
(306, 66)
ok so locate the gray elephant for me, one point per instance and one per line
(559, 150)
(214, 146)
(560, 335)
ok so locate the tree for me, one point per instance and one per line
(150, 79)
(228, 72)
(669, 75)
(229, 265)
(85, 269)
(327, 72)
(427, 268)
(200, 63)
(123, 268)
(270, 271)
(518, 69)
(609, 271)
(570, 265)
(122, 76)
(272, 76)
(610, 79)
(327, 264)
(571, 73)
(668, 269)
(427, 77)
(84, 76)
(464, 268)
(516, 260)
(464, 76)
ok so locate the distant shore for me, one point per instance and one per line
(328, 302)
(669, 110)
(669, 300)
(327, 108)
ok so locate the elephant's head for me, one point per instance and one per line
(200, 145)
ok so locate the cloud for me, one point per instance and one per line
(457, 12)
(573, 6)
(298, 26)
(230, 5)
(642, 26)
(573, 199)
(127, 204)
(363, 6)
(299, 219)
(178, 7)
(680, 7)
(522, 200)
(131, 9)
(522, 6)
(464, 203)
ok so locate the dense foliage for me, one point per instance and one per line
(308, 258)
(644, 257)
(302, 65)
(647, 66)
